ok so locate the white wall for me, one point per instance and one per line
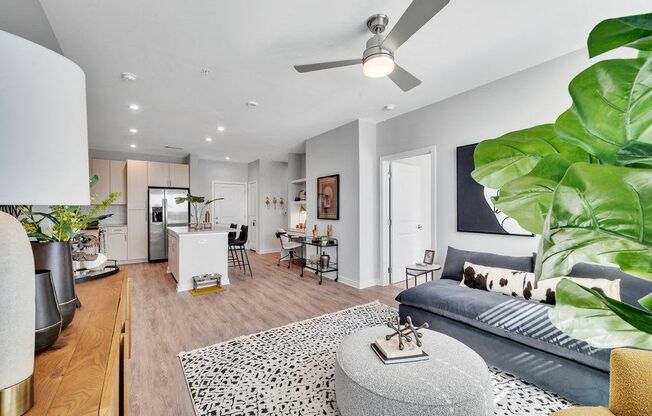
(272, 182)
(534, 96)
(204, 172)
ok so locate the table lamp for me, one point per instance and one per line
(43, 161)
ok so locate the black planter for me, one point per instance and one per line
(57, 258)
(48, 318)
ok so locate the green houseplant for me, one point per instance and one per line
(195, 202)
(52, 233)
(584, 183)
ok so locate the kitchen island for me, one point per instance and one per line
(196, 252)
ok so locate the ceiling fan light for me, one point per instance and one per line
(378, 66)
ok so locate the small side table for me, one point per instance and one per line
(416, 271)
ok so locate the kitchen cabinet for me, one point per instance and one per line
(137, 184)
(118, 183)
(112, 177)
(137, 234)
(116, 243)
(101, 168)
(158, 174)
(168, 174)
(179, 175)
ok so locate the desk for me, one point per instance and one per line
(417, 270)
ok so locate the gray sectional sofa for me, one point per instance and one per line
(514, 334)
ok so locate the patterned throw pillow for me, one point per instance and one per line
(545, 290)
(522, 284)
(495, 279)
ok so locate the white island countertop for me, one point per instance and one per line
(217, 229)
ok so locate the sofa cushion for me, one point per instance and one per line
(517, 319)
(455, 259)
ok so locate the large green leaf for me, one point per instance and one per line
(611, 109)
(632, 31)
(599, 214)
(515, 154)
(590, 316)
(527, 199)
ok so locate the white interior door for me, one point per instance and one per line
(233, 208)
(252, 214)
(406, 227)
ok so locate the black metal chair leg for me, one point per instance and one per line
(248, 264)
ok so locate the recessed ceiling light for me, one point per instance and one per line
(209, 139)
(133, 145)
(134, 107)
(220, 128)
(227, 158)
(128, 76)
(252, 104)
(389, 107)
(133, 130)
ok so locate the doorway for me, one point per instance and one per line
(233, 208)
(407, 212)
(252, 215)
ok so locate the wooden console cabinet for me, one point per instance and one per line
(85, 372)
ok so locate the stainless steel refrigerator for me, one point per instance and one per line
(164, 212)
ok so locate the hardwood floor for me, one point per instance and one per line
(165, 322)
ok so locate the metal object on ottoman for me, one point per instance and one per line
(454, 381)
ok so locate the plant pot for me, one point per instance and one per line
(48, 317)
(57, 258)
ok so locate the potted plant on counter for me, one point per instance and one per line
(51, 233)
(195, 202)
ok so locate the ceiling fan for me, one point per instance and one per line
(378, 58)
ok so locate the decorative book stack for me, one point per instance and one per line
(206, 280)
(389, 352)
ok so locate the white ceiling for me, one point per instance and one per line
(250, 47)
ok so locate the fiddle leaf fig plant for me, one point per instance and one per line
(584, 184)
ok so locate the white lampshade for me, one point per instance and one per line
(43, 161)
(43, 134)
(378, 66)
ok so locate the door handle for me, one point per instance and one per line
(419, 227)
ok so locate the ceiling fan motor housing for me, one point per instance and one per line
(375, 48)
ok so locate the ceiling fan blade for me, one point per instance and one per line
(417, 14)
(403, 79)
(326, 65)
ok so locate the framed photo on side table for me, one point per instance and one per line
(328, 197)
(429, 257)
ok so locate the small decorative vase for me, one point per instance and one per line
(324, 259)
(48, 317)
(57, 258)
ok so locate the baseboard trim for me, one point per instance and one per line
(268, 251)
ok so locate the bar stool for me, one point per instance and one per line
(239, 246)
(233, 258)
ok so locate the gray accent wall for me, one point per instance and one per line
(350, 151)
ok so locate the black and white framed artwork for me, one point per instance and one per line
(475, 211)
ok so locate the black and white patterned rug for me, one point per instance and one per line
(290, 371)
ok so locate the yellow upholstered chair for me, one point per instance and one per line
(630, 386)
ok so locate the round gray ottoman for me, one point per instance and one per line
(453, 381)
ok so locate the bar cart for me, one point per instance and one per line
(320, 246)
